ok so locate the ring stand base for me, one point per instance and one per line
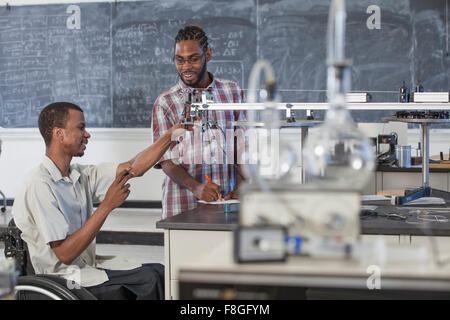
(414, 194)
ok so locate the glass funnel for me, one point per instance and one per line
(267, 156)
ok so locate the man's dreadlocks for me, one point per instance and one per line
(193, 32)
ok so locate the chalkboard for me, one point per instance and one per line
(45, 58)
(143, 36)
(114, 59)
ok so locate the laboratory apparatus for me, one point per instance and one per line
(338, 158)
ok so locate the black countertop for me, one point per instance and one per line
(411, 169)
(213, 218)
(413, 222)
(204, 217)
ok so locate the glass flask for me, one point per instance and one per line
(337, 154)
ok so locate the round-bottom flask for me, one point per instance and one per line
(337, 154)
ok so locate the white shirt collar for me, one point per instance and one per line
(56, 174)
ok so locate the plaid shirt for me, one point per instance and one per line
(202, 151)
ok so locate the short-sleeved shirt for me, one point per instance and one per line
(51, 207)
(206, 150)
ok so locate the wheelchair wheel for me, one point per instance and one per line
(44, 287)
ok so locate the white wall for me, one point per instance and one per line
(439, 138)
(23, 149)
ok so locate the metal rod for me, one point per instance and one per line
(304, 133)
(426, 154)
(325, 106)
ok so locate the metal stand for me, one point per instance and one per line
(425, 190)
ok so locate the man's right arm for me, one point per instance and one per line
(203, 191)
(73, 245)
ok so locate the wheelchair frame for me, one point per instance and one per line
(50, 286)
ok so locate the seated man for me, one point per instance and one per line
(55, 210)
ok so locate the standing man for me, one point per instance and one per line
(187, 181)
(55, 209)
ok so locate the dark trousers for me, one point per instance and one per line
(143, 283)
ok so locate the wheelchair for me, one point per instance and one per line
(30, 286)
(3, 207)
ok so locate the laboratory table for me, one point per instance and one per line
(212, 217)
(190, 236)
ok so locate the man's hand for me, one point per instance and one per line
(118, 191)
(232, 195)
(176, 130)
(207, 191)
(189, 127)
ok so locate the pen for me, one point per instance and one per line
(210, 181)
(208, 178)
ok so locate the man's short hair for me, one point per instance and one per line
(54, 116)
(193, 32)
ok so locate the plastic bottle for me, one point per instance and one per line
(419, 87)
(403, 93)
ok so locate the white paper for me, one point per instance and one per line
(371, 208)
(220, 202)
(372, 197)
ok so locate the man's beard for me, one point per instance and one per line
(199, 78)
